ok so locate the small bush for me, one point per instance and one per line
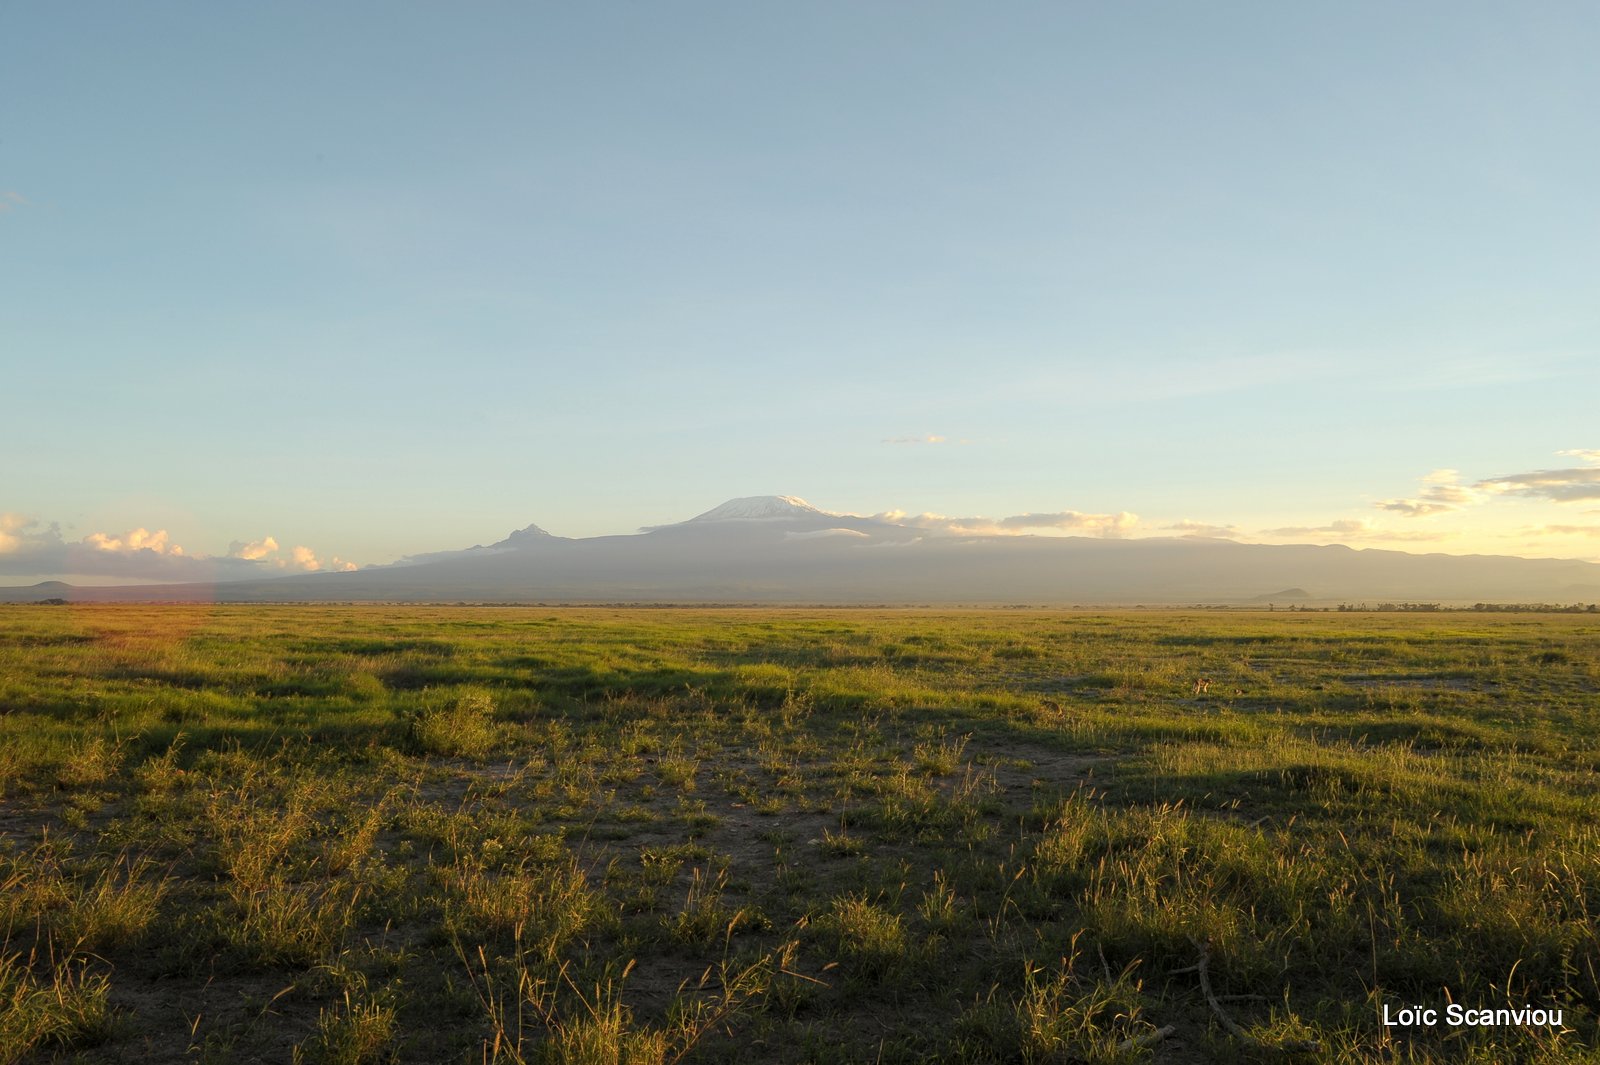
(1060, 1015)
(464, 728)
(288, 924)
(941, 758)
(358, 1031)
(704, 918)
(67, 1009)
(91, 762)
(541, 906)
(870, 938)
(116, 909)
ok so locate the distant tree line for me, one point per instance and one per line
(1489, 608)
(1537, 608)
(1394, 607)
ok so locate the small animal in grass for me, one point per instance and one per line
(1202, 685)
(1238, 692)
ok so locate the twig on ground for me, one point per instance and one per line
(1147, 1039)
(1203, 968)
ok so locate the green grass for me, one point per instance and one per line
(374, 834)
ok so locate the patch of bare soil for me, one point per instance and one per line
(244, 1019)
(1021, 768)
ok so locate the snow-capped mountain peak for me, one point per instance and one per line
(759, 508)
(530, 534)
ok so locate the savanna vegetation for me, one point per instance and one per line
(374, 834)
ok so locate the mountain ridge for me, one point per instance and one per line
(782, 549)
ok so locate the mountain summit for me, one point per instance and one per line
(760, 508)
(752, 519)
(522, 537)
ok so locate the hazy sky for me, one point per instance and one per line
(374, 279)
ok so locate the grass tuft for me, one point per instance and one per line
(460, 727)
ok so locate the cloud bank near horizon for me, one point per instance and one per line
(1190, 527)
(31, 548)
(1579, 484)
(1343, 529)
(1528, 506)
(1442, 492)
(1107, 525)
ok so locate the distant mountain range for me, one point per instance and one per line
(780, 549)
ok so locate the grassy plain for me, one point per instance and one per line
(370, 834)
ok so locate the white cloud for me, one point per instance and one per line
(1114, 525)
(140, 539)
(1562, 530)
(929, 520)
(1569, 485)
(1442, 492)
(254, 550)
(300, 559)
(1342, 527)
(817, 534)
(306, 560)
(1413, 508)
(1107, 525)
(930, 438)
(29, 548)
(14, 529)
(1199, 528)
(1352, 529)
(1455, 494)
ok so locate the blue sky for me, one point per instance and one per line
(378, 279)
